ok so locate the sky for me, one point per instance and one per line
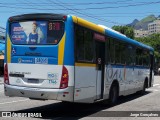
(104, 12)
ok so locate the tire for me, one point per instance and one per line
(142, 92)
(113, 96)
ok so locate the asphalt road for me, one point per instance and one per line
(133, 104)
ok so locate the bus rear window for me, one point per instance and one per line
(36, 32)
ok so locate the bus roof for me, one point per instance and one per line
(36, 16)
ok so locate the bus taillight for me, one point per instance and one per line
(6, 77)
(64, 78)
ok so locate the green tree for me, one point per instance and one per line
(153, 41)
(128, 31)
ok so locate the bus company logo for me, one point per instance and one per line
(115, 73)
(109, 73)
(53, 76)
(41, 60)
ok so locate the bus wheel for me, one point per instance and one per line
(144, 88)
(113, 96)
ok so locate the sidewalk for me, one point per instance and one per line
(1, 80)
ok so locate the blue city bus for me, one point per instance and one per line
(67, 58)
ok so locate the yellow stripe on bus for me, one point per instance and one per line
(61, 50)
(85, 64)
(74, 18)
(8, 49)
(88, 24)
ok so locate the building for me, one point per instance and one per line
(140, 33)
(2, 31)
(154, 27)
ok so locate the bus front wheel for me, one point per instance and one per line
(144, 87)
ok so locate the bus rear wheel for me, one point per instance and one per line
(144, 88)
(113, 96)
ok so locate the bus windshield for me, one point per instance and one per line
(36, 32)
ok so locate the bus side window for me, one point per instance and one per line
(123, 53)
(110, 50)
(139, 57)
(120, 55)
(146, 58)
(84, 45)
(79, 43)
(129, 55)
(117, 53)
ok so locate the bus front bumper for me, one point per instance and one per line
(39, 93)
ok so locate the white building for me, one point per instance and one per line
(154, 27)
(140, 33)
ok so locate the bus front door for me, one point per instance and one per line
(100, 61)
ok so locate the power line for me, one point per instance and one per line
(30, 8)
(75, 10)
(68, 4)
(130, 5)
(112, 7)
(90, 15)
(76, 3)
(129, 13)
(116, 16)
(92, 3)
(113, 13)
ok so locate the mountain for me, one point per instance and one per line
(142, 24)
(133, 23)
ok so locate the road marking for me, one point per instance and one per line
(13, 101)
(156, 85)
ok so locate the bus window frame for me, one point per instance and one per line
(75, 44)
